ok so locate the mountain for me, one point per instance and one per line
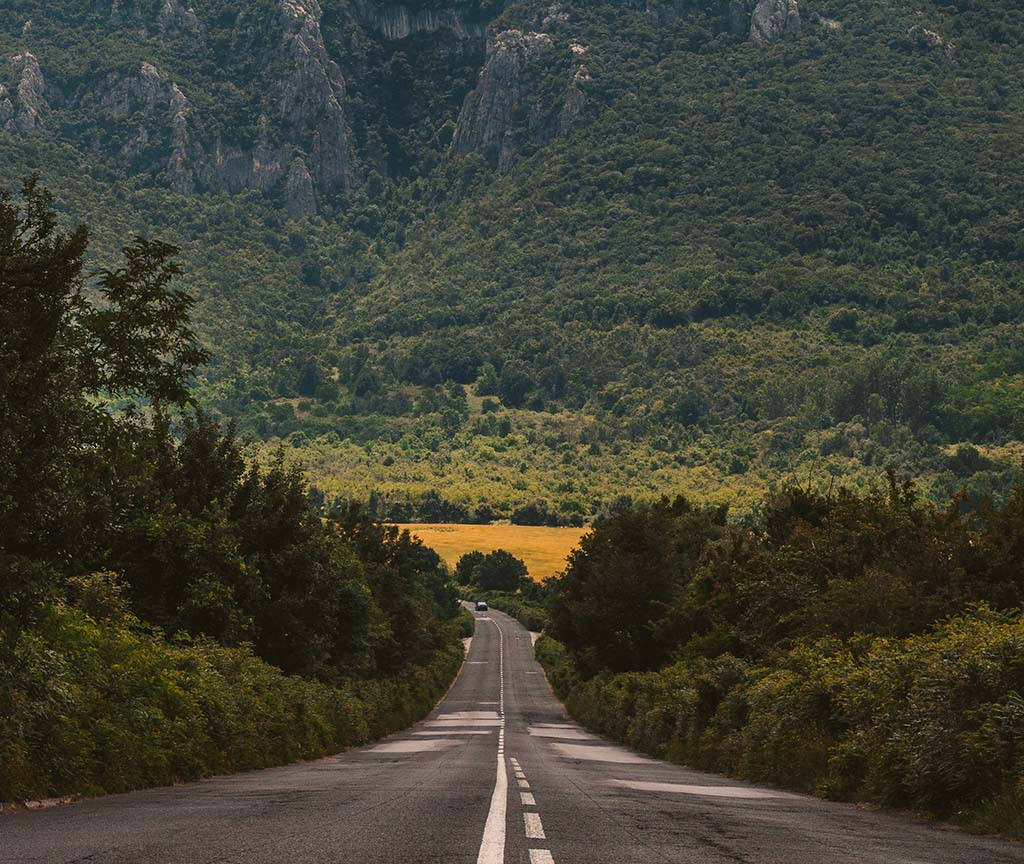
(480, 257)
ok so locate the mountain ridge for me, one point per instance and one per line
(642, 231)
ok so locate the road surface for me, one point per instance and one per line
(497, 773)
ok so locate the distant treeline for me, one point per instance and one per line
(169, 608)
(864, 647)
(432, 506)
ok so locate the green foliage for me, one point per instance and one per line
(465, 622)
(494, 571)
(614, 604)
(860, 646)
(932, 722)
(64, 360)
(92, 707)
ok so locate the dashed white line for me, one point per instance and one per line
(523, 784)
(541, 856)
(527, 799)
(534, 828)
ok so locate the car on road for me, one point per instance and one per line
(481, 606)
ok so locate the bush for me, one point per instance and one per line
(933, 721)
(89, 708)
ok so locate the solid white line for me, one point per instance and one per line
(492, 845)
(534, 828)
(541, 856)
(528, 799)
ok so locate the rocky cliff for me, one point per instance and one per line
(506, 110)
(309, 99)
(23, 110)
(399, 21)
(269, 109)
(764, 20)
(302, 140)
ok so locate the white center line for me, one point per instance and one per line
(534, 828)
(492, 845)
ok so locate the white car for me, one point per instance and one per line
(481, 606)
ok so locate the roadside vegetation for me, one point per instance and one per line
(500, 580)
(168, 606)
(856, 646)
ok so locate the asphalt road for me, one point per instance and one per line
(497, 773)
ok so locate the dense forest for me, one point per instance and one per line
(171, 607)
(860, 646)
(667, 255)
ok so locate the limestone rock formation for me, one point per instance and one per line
(309, 99)
(6, 107)
(174, 19)
(506, 110)
(575, 99)
(24, 111)
(503, 88)
(829, 26)
(764, 20)
(159, 110)
(398, 21)
(773, 19)
(299, 198)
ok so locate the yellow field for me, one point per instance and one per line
(543, 549)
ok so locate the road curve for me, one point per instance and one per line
(497, 773)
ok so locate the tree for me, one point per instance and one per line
(487, 381)
(496, 571)
(515, 383)
(467, 567)
(63, 361)
(500, 571)
(615, 607)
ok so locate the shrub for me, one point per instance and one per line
(933, 721)
(89, 707)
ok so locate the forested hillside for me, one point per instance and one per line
(476, 258)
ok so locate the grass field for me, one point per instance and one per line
(543, 549)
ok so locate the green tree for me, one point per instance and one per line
(616, 606)
(64, 360)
